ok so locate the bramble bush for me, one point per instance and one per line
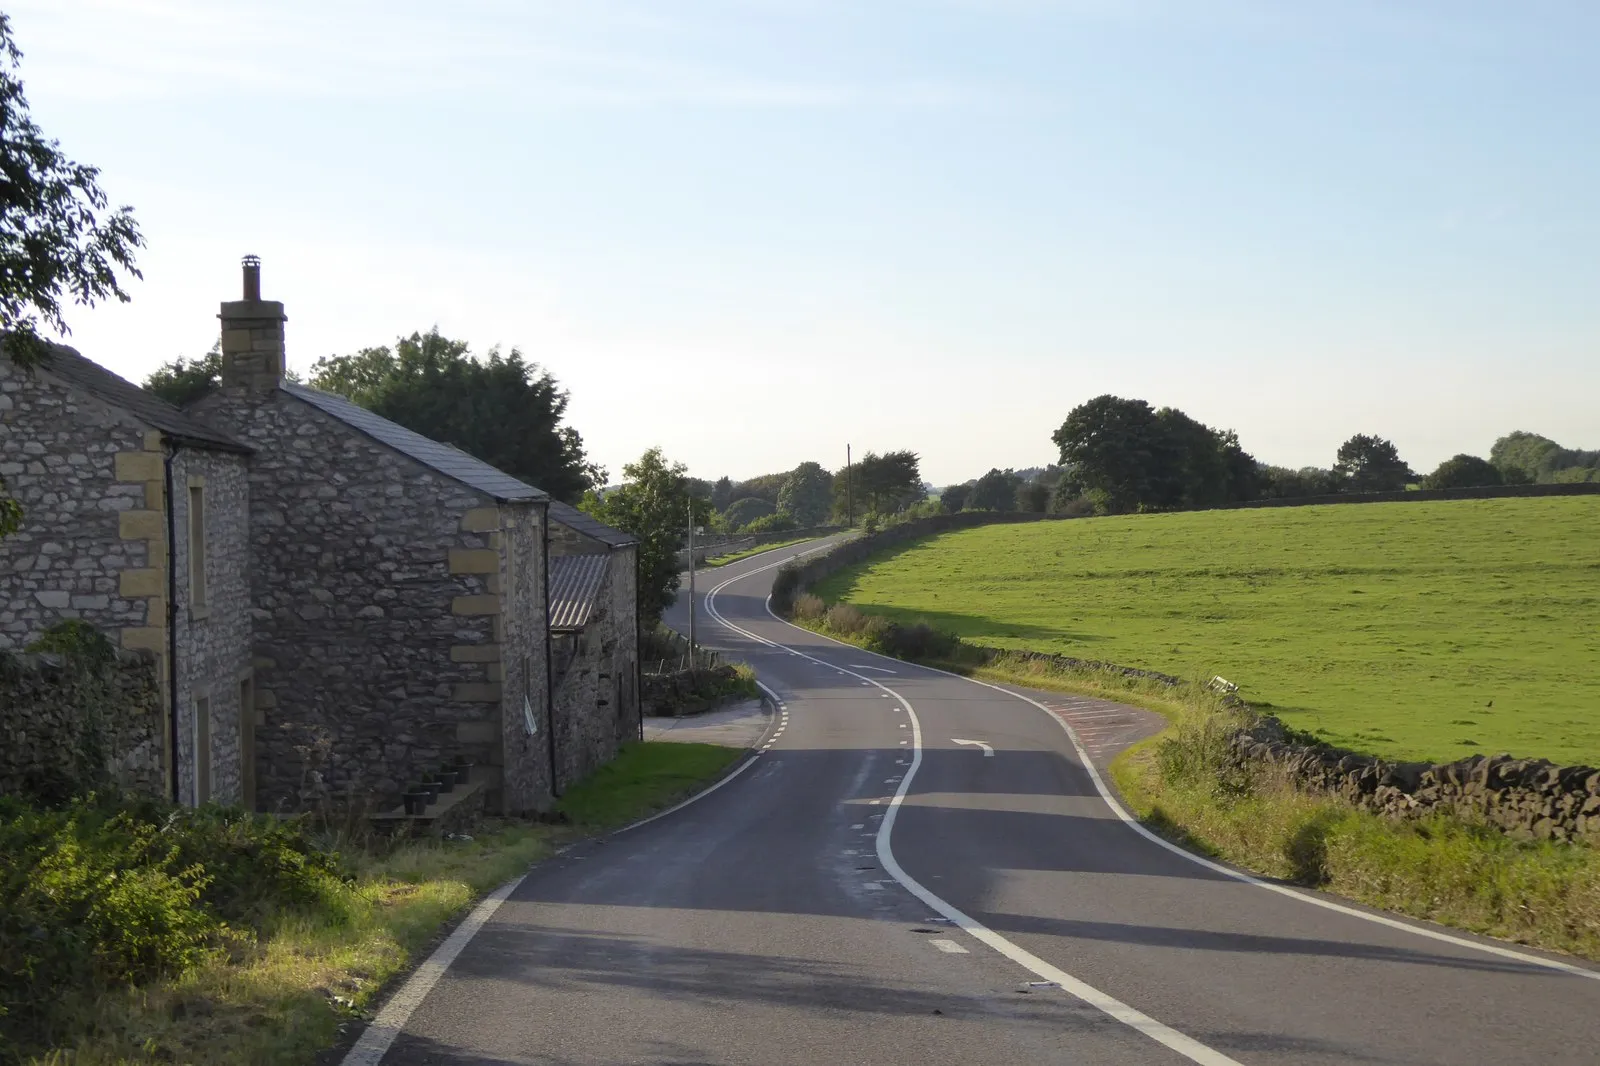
(99, 894)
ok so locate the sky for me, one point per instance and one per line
(753, 231)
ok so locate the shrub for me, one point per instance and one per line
(741, 513)
(784, 585)
(871, 523)
(777, 522)
(101, 894)
(809, 608)
(1463, 471)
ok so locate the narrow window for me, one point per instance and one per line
(197, 546)
(202, 751)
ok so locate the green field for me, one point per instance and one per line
(1412, 630)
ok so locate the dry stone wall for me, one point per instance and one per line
(68, 726)
(1528, 798)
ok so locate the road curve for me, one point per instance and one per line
(918, 868)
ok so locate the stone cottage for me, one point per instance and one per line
(136, 523)
(594, 639)
(398, 590)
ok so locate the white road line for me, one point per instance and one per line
(1237, 875)
(1162, 1034)
(949, 947)
(879, 669)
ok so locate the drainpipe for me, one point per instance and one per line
(172, 621)
(549, 671)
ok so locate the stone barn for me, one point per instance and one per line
(135, 522)
(607, 598)
(398, 590)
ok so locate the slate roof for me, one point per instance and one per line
(450, 461)
(588, 525)
(73, 368)
(575, 582)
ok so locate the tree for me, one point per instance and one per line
(776, 522)
(741, 513)
(995, 491)
(721, 494)
(1280, 482)
(955, 497)
(183, 381)
(1371, 464)
(881, 484)
(1115, 448)
(1034, 497)
(652, 504)
(1463, 471)
(501, 409)
(807, 494)
(57, 240)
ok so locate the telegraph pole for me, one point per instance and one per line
(691, 582)
(849, 504)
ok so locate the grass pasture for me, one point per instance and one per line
(1412, 630)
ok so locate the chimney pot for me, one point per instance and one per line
(252, 277)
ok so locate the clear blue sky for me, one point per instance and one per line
(752, 231)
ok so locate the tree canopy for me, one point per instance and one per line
(741, 513)
(807, 494)
(880, 484)
(1126, 456)
(1463, 471)
(1370, 463)
(1527, 458)
(995, 491)
(502, 409)
(652, 504)
(58, 240)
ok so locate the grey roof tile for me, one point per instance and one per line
(575, 582)
(75, 369)
(450, 461)
(588, 525)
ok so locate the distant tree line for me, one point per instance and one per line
(810, 495)
(1118, 456)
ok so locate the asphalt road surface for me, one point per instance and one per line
(869, 889)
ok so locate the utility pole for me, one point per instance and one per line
(691, 582)
(849, 504)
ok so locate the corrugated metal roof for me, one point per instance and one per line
(73, 368)
(589, 525)
(450, 461)
(575, 582)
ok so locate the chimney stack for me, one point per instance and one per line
(252, 336)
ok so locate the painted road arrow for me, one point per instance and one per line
(988, 752)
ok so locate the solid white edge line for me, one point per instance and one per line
(390, 1021)
(381, 1033)
(1237, 875)
(1162, 1034)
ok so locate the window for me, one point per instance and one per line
(202, 751)
(197, 547)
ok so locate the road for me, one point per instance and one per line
(869, 889)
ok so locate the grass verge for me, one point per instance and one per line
(284, 994)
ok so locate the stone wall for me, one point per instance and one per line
(59, 453)
(67, 726)
(623, 619)
(1528, 798)
(523, 757)
(376, 609)
(586, 732)
(214, 640)
(1484, 492)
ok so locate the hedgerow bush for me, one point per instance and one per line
(99, 894)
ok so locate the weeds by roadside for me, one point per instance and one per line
(218, 937)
